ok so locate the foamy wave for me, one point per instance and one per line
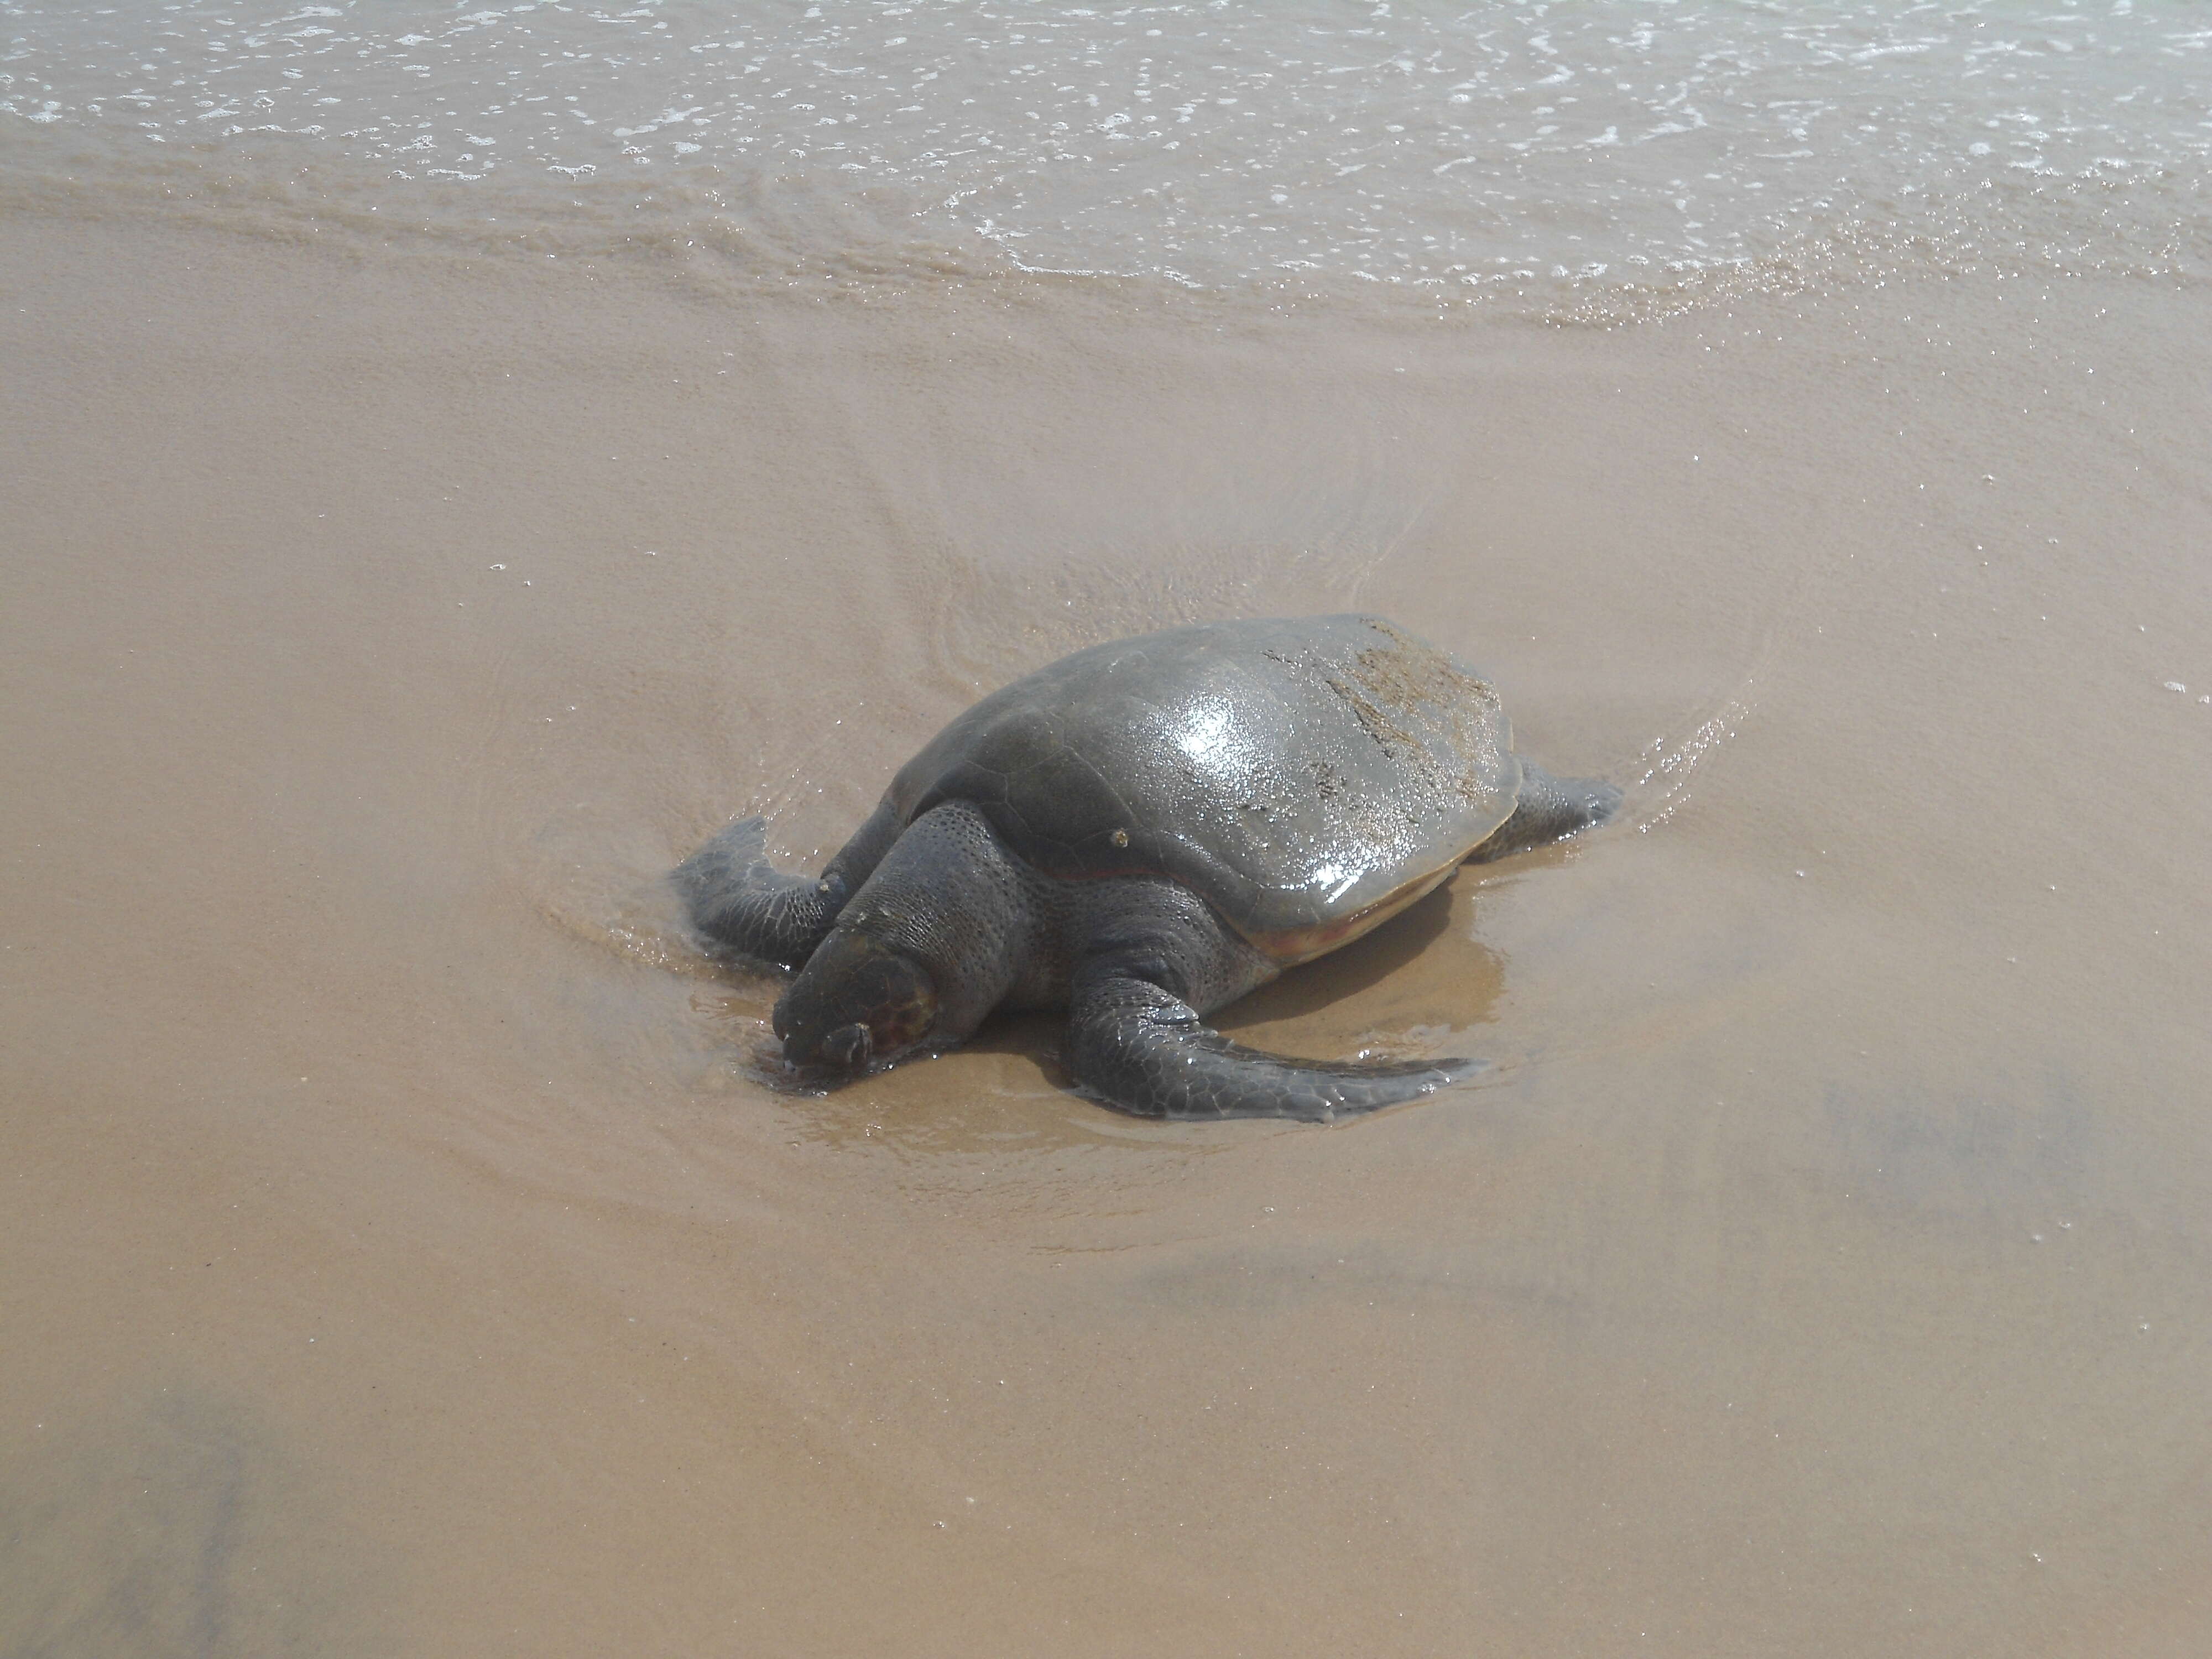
(1588, 163)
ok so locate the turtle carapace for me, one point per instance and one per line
(1142, 833)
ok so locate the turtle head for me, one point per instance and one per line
(858, 1001)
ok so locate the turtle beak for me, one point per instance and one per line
(849, 1047)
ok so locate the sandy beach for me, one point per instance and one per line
(405, 1249)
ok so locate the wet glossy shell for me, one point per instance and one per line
(1309, 777)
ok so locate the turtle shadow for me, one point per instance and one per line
(1387, 953)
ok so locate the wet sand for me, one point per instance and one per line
(403, 1253)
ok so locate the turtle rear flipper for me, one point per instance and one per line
(1145, 1051)
(1549, 809)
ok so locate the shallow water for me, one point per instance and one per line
(1546, 157)
(407, 1253)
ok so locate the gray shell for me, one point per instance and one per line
(1306, 776)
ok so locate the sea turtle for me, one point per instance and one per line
(1143, 832)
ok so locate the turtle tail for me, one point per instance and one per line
(1143, 1050)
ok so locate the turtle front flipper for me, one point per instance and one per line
(737, 900)
(1144, 1050)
